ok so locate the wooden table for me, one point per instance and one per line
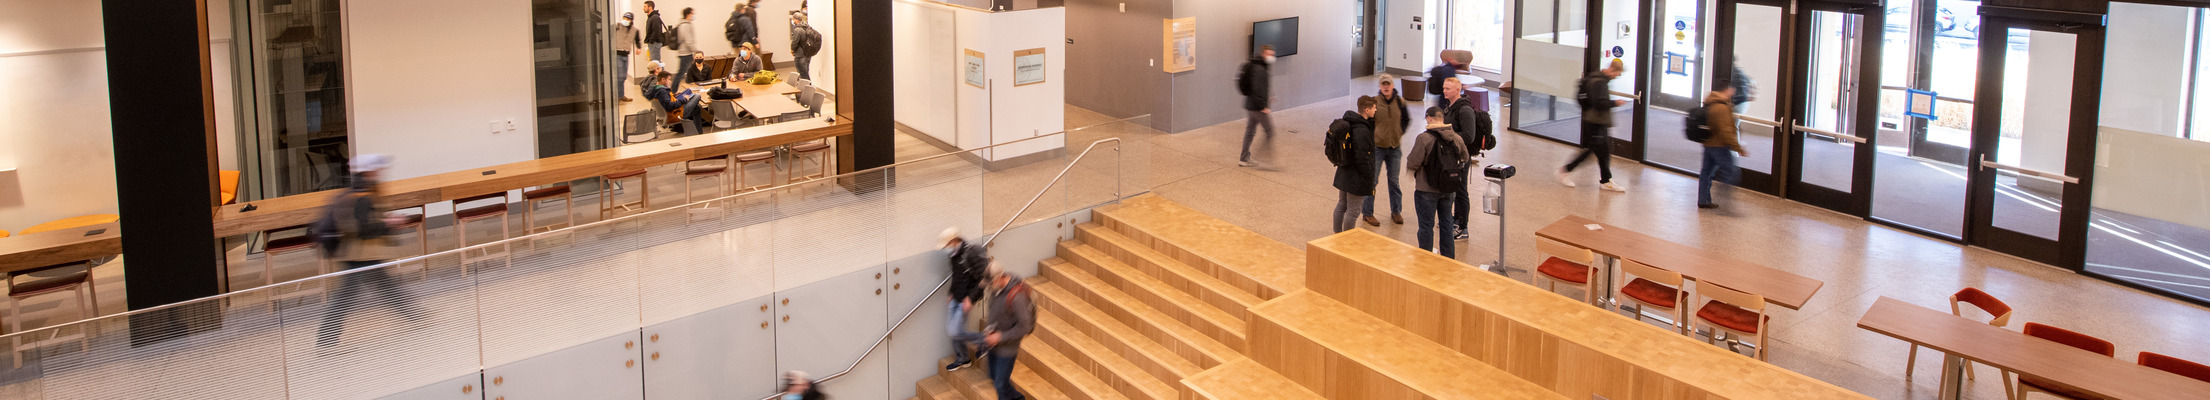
(1779, 287)
(42, 249)
(72, 222)
(769, 106)
(779, 88)
(1986, 344)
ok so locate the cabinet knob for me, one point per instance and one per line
(878, 291)
(763, 324)
(896, 286)
(466, 389)
(498, 380)
(629, 344)
(786, 318)
(878, 275)
(656, 356)
(629, 364)
(786, 301)
(656, 338)
(894, 271)
(763, 308)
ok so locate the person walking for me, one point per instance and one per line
(1474, 127)
(354, 233)
(1447, 70)
(1390, 122)
(1012, 317)
(968, 263)
(1720, 148)
(742, 27)
(626, 41)
(1353, 146)
(797, 387)
(805, 42)
(655, 33)
(1256, 84)
(686, 47)
(1432, 193)
(1596, 115)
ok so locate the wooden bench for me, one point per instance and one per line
(2026, 355)
(1779, 287)
(1343, 353)
(1245, 379)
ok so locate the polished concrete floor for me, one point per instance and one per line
(1860, 261)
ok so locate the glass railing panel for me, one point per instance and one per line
(376, 329)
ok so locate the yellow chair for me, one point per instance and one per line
(3, 233)
(72, 222)
(229, 183)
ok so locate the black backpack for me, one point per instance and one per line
(1243, 81)
(1445, 169)
(1338, 143)
(1698, 126)
(671, 39)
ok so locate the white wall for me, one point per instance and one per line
(2147, 53)
(1412, 49)
(927, 84)
(1022, 112)
(425, 86)
(57, 135)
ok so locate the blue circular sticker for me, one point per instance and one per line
(1617, 51)
(1680, 25)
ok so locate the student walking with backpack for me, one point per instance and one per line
(353, 232)
(1473, 126)
(1438, 163)
(1256, 84)
(1350, 146)
(684, 39)
(1596, 113)
(805, 42)
(1720, 143)
(655, 33)
(1390, 123)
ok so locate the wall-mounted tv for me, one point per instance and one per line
(1281, 33)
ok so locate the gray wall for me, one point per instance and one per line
(1207, 96)
(1113, 66)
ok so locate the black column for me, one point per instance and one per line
(162, 110)
(874, 140)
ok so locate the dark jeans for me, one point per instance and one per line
(1391, 160)
(1718, 166)
(1250, 130)
(1462, 205)
(1346, 210)
(1435, 229)
(349, 296)
(683, 69)
(805, 67)
(621, 74)
(1001, 377)
(1595, 140)
(955, 327)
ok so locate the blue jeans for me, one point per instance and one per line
(654, 55)
(804, 66)
(682, 74)
(621, 75)
(1433, 227)
(1001, 377)
(955, 327)
(1392, 160)
(1718, 165)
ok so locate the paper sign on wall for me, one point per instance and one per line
(1919, 103)
(1181, 45)
(974, 69)
(1028, 67)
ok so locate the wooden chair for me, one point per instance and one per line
(818, 151)
(532, 198)
(417, 221)
(743, 163)
(2175, 365)
(2082, 341)
(75, 277)
(1657, 288)
(1565, 263)
(1733, 312)
(1984, 302)
(273, 246)
(489, 206)
(607, 204)
(709, 168)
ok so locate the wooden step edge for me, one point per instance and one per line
(1155, 359)
(1365, 342)
(1035, 386)
(1063, 373)
(1197, 261)
(1206, 260)
(1135, 311)
(935, 387)
(1184, 341)
(1198, 283)
(1145, 287)
(1107, 366)
(1095, 322)
(972, 382)
(1245, 379)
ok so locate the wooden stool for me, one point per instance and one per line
(606, 195)
(531, 198)
(818, 150)
(462, 216)
(421, 233)
(694, 171)
(744, 160)
(273, 247)
(74, 276)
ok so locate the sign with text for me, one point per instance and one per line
(1181, 45)
(1028, 67)
(974, 69)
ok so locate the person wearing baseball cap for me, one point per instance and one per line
(626, 41)
(968, 260)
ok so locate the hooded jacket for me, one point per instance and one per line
(1356, 176)
(1416, 160)
(1012, 316)
(745, 29)
(968, 262)
(1720, 116)
(1260, 74)
(654, 29)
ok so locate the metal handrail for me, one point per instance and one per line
(985, 243)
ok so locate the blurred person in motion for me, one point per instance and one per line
(1256, 84)
(1596, 122)
(968, 263)
(805, 42)
(1011, 317)
(1722, 144)
(797, 387)
(352, 231)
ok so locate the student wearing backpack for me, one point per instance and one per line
(1351, 149)
(1437, 153)
(805, 42)
(742, 27)
(1256, 84)
(1473, 126)
(1596, 105)
(1721, 146)
(655, 32)
(686, 47)
(353, 232)
(1390, 122)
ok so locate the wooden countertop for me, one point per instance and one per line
(41, 249)
(2065, 365)
(1779, 287)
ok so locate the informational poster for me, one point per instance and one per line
(1919, 103)
(1181, 45)
(974, 69)
(1676, 64)
(1028, 67)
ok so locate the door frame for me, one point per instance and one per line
(1723, 54)
(2069, 250)
(1864, 118)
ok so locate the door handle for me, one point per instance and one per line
(1822, 132)
(1984, 163)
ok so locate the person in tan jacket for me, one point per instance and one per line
(1720, 148)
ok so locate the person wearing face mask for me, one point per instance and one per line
(626, 41)
(746, 64)
(1256, 84)
(968, 261)
(797, 387)
(805, 42)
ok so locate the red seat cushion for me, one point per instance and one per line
(2045, 386)
(756, 156)
(2177, 366)
(1651, 292)
(546, 192)
(409, 220)
(1728, 316)
(290, 243)
(1560, 269)
(625, 175)
(481, 211)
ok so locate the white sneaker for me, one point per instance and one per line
(1246, 164)
(1565, 178)
(1614, 187)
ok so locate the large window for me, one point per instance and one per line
(1478, 26)
(2152, 167)
(292, 97)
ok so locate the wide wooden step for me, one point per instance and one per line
(1151, 291)
(1154, 359)
(1342, 353)
(975, 379)
(1245, 379)
(1242, 258)
(936, 388)
(1101, 362)
(1064, 374)
(1132, 311)
(972, 382)
(1174, 273)
(1146, 341)
(1035, 386)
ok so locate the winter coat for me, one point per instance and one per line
(655, 31)
(1416, 160)
(1391, 122)
(1012, 316)
(968, 262)
(1356, 175)
(1260, 75)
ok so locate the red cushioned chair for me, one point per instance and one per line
(1655, 288)
(1568, 264)
(274, 246)
(1733, 312)
(532, 198)
(2175, 365)
(2027, 384)
(1978, 299)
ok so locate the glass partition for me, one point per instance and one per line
(2152, 167)
(1546, 67)
(710, 298)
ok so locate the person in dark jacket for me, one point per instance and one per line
(1596, 115)
(681, 105)
(968, 264)
(1430, 204)
(655, 32)
(742, 27)
(1445, 71)
(1473, 126)
(1355, 178)
(1012, 317)
(352, 231)
(805, 42)
(1257, 98)
(1390, 123)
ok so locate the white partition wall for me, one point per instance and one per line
(936, 98)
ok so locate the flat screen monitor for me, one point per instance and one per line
(1281, 33)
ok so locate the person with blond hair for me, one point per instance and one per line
(1596, 114)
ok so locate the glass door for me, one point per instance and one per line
(1549, 57)
(1832, 106)
(1679, 82)
(1929, 70)
(1619, 38)
(2033, 137)
(1754, 38)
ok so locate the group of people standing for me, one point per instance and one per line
(742, 30)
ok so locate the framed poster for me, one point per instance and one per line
(974, 69)
(1028, 67)
(1919, 103)
(1181, 45)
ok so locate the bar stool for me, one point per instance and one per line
(533, 197)
(606, 195)
(72, 276)
(2027, 384)
(1657, 288)
(1976, 298)
(1735, 312)
(489, 210)
(293, 244)
(421, 232)
(746, 160)
(693, 171)
(818, 150)
(1568, 264)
